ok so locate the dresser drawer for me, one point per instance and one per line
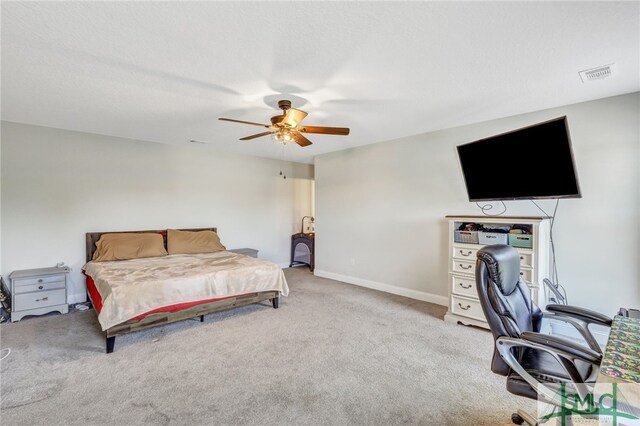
(464, 286)
(467, 308)
(527, 275)
(464, 266)
(526, 259)
(39, 299)
(39, 280)
(461, 251)
(39, 287)
(465, 252)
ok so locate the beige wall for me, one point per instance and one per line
(1, 276)
(380, 208)
(57, 185)
(303, 202)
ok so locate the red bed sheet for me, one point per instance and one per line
(96, 300)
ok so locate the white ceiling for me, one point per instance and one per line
(165, 72)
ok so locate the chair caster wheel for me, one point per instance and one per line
(516, 419)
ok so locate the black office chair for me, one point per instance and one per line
(535, 364)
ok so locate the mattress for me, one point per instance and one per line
(130, 289)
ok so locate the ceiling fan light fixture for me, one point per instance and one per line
(282, 136)
(277, 137)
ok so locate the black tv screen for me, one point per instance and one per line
(532, 162)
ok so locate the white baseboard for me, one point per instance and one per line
(387, 288)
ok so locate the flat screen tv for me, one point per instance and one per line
(529, 163)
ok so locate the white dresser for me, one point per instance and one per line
(464, 306)
(38, 291)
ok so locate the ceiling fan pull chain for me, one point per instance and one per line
(282, 159)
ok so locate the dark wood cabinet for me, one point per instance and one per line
(303, 250)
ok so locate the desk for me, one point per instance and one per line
(621, 364)
(621, 359)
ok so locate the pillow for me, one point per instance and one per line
(189, 242)
(129, 245)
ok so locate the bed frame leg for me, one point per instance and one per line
(111, 341)
(275, 301)
(201, 318)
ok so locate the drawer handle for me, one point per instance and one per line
(43, 299)
(40, 280)
(465, 254)
(521, 257)
(466, 288)
(462, 266)
(522, 273)
(40, 287)
(463, 308)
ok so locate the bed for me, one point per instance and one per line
(136, 294)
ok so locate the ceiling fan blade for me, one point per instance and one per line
(245, 122)
(300, 139)
(293, 117)
(246, 138)
(324, 130)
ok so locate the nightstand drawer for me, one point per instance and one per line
(40, 287)
(39, 280)
(39, 299)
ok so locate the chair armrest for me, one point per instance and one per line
(561, 344)
(586, 315)
(580, 318)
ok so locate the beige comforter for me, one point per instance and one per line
(133, 287)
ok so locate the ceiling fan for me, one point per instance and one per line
(286, 127)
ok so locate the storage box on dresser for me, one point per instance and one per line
(464, 306)
(38, 291)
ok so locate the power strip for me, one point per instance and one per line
(631, 313)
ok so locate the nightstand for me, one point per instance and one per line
(302, 250)
(246, 251)
(38, 291)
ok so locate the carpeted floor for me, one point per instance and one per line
(332, 354)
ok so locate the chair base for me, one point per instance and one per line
(522, 416)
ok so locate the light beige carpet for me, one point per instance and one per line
(332, 354)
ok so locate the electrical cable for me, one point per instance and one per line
(553, 248)
(486, 207)
(554, 267)
(8, 352)
(554, 273)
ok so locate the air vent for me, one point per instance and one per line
(599, 73)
